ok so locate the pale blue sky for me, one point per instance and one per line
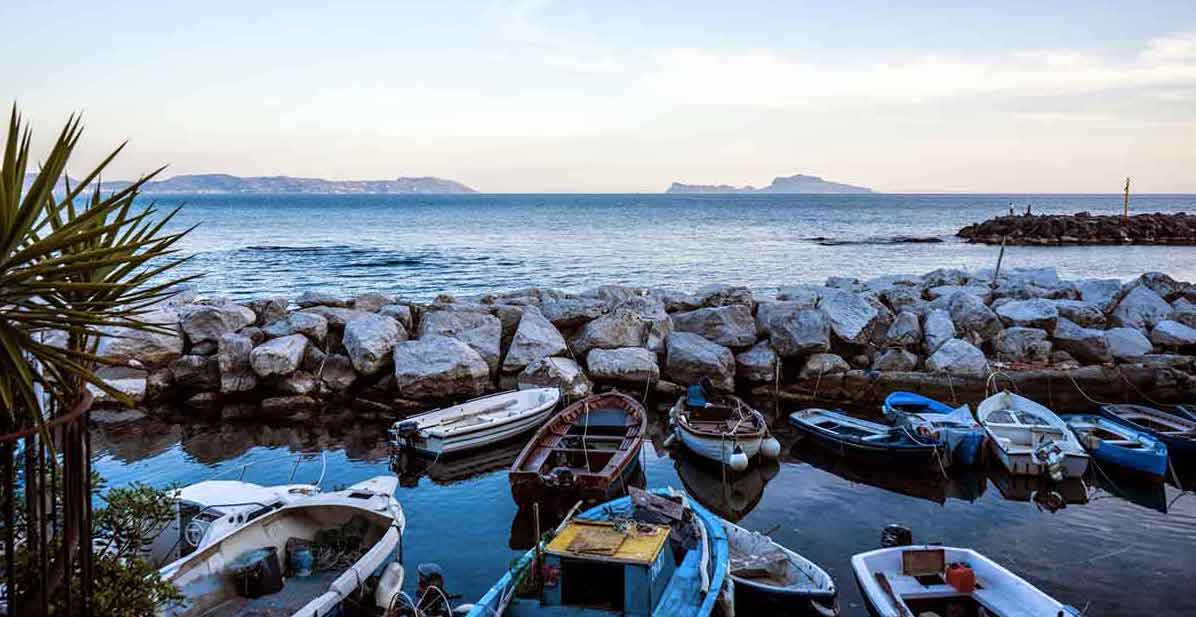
(613, 96)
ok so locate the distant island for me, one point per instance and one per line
(226, 183)
(797, 184)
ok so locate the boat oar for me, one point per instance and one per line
(883, 581)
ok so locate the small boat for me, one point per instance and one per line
(904, 581)
(214, 507)
(1177, 432)
(585, 452)
(332, 543)
(963, 437)
(721, 428)
(1030, 439)
(651, 554)
(1115, 444)
(773, 580)
(848, 434)
(476, 423)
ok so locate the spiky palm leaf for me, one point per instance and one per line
(69, 268)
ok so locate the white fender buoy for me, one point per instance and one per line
(738, 461)
(390, 584)
(770, 447)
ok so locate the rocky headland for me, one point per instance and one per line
(230, 184)
(1084, 228)
(797, 184)
(322, 358)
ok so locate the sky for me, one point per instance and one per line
(613, 96)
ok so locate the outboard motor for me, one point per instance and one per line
(560, 477)
(429, 591)
(896, 535)
(1050, 454)
(406, 428)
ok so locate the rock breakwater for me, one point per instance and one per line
(320, 358)
(1084, 228)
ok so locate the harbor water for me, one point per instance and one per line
(1113, 544)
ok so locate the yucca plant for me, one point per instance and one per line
(74, 262)
(69, 264)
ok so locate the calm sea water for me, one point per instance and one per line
(1118, 546)
(418, 246)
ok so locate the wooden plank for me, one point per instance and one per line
(655, 503)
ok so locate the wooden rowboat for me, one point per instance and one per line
(722, 428)
(584, 452)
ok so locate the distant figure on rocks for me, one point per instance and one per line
(1011, 208)
(1027, 209)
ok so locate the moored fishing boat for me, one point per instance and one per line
(335, 544)
(586, 451)
(214, 507)
(1119, 445)
(1030, 439)
(721, 427)
(655, 554)
(476, 423)
(773, 580)
(849, 434)
(1177, 432)
(904, 581)
(961, 434)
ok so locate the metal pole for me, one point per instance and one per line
(1000, 257)
(1126, 212)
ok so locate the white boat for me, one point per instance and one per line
(1030, 439)
(208, 578)
(721, 428)
(771, 579)
(905, 581)
(214, 507)
(476, 423)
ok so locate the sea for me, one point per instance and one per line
(1108, 544)
(418, 246)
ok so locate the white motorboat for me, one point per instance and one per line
(348, 537)
(1030, 439)
(476, 423)
(721, 428)
(905, 581)
(214, 507)
(771, 579)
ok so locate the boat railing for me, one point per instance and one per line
(298, 459)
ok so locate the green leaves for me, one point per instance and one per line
(73, 262)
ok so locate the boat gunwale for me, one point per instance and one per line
(759, 422)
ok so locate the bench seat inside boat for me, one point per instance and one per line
(910, 587)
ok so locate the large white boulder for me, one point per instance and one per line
(1034, 313)
(731, 325)
(370, 339)
(758, 364)
(823, 364)
(691, 357)
(1027, 345)
(280, 356)
(232, 356)
(973, 319)
(1141, 308)
(621, 328)
(561, 373)
(481, 331)
(937, 329)
(311, 325)
(1101, 292)
(207, 322)
(851, 316)
(1087, 345)
(1173, 335)
(535, 338)
(439, 367)
(624, 364)
(148, 349)
(1127, 343)
(958, 357)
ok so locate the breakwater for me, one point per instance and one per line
(1084, 229)
(322, 358)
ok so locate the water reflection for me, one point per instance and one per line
(411, 467)
(730, 495)
(1046, 495)
(928, 481)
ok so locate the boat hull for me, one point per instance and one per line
(907, 451)
(435, 446)
(1180, 450)
(753, 599)
(719, 450)
(1074, 465)
(528, 488)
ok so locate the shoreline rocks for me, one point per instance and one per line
(381, 357)
(1084, 228)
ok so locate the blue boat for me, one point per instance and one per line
(1179, 433)
(963, 436)
(652, 554)
(854, 435)
(1116, 444)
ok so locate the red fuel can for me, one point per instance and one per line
(961, 577)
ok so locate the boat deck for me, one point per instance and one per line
(915, 588)
(294, 595)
